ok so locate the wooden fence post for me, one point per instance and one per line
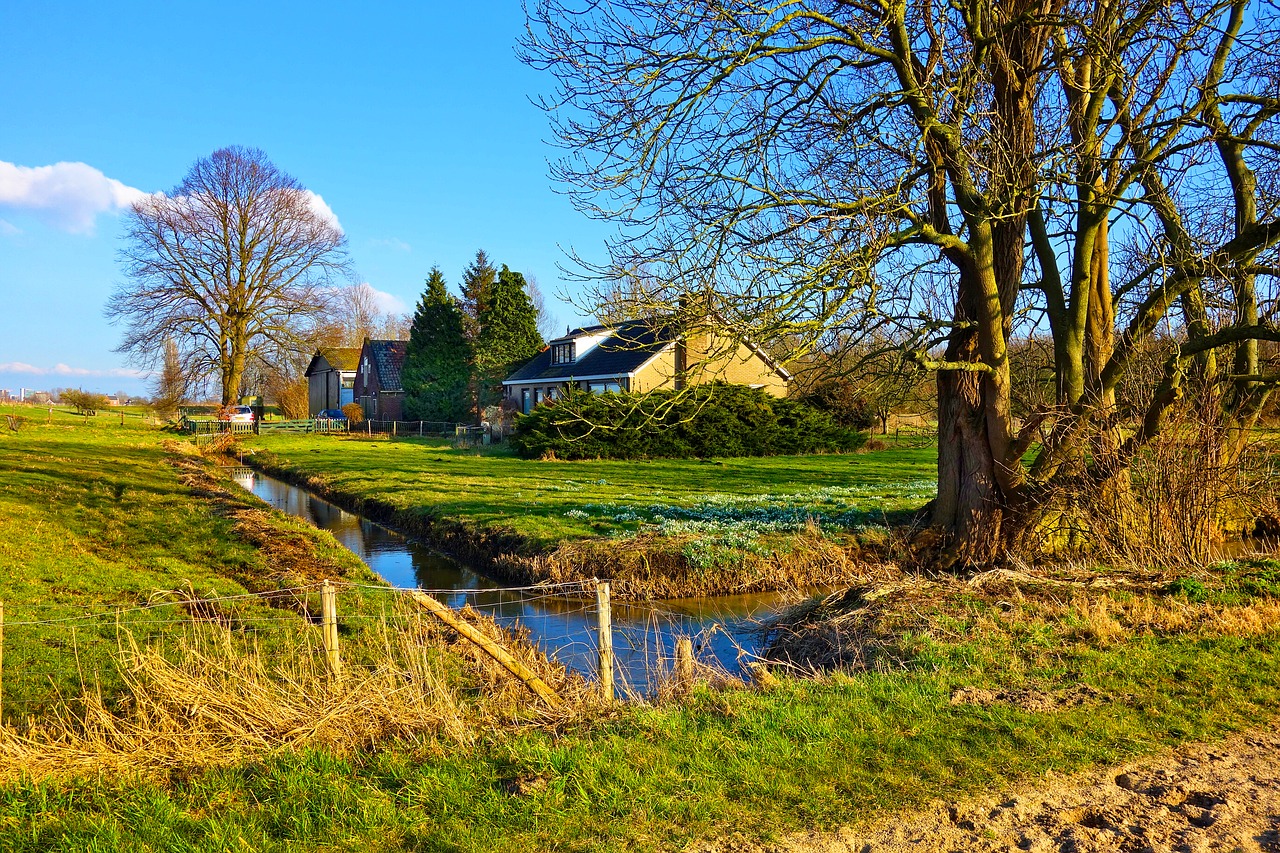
(684, 664)
(606, 640)
(329, 628)
(393, 428)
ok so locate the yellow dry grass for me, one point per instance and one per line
(215, 699)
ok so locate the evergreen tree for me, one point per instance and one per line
(436, 375)
(508, 335)
(477, 281)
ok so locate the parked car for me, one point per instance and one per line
(241, 415)
(331, 415)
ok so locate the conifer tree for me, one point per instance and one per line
(508, 335)
(477, 281)
(436, 376)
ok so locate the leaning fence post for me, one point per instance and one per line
(329, 627)
(606, 640)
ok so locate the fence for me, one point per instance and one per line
(571, 623)
(461, 433)
(421, 429)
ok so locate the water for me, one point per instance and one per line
(565, 628)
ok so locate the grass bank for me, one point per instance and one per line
(132, 570)
(947, 687)
(657, 529)
(947, 718)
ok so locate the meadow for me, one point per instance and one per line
(96, 517)
(550, 502)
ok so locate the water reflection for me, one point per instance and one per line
(644, 633)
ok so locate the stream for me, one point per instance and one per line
(644, 633)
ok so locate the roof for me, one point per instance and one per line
(625, 351)
(388, 358)
(337, 358)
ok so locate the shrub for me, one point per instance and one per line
(84, 402)
(840, 398)
(707, 420)
(354, 413)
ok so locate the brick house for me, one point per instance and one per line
(377, 384)
(639, 356)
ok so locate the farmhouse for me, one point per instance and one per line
(377, 384)
(331, 379)
(639, 356)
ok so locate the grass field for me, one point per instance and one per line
(95, 516)
(553, 501)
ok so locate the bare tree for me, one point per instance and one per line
(171, 383)
(939, 174)
(232, 264)
(548, 324)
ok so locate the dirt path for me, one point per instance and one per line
(1215, 797)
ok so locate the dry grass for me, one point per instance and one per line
(216, 699)
(652, 566)
(883, 626)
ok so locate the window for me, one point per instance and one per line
(562, 353)
(537, 396)
(604, 388)
(524, 400)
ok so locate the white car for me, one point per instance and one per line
(241, 415)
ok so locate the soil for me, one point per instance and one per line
(1200, 797)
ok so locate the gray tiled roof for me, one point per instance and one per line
(388, 358)
(631, 345)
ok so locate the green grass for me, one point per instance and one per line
(93, 522)
(554, 501)
(805, 755)
(92, 518)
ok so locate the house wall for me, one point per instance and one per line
(709, 358)
(324, 391)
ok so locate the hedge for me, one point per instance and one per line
(704, 421)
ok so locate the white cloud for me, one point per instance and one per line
(67, 370)
(69, 196)
(319, 208)
(391, 243)
(387, 303)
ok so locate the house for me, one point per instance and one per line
(331, 378)
(377, 385)
(639, 356)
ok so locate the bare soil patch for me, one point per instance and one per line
(1199, 797)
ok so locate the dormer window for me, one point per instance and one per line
(562, 353)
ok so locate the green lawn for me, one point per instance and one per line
(94, 522)
(551, 502)
(92, 518)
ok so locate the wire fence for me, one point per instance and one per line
(48, 656)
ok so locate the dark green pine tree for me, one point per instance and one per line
(477, 282)
(508, 335)
(436, 375)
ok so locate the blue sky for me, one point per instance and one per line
(412, 121)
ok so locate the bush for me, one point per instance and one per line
(354, 413)
(708, 420)
(84, 402)
(840, 398)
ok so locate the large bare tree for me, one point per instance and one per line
(942, 174)
(235, 265)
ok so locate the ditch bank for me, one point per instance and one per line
(644, 567)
